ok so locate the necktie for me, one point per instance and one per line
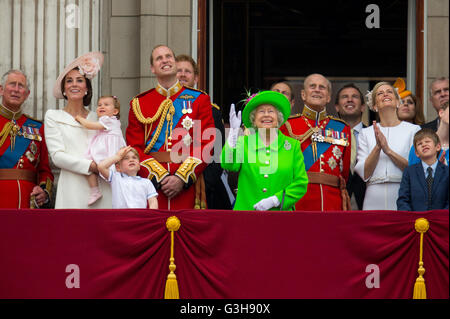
(429, 180)
(353, 151)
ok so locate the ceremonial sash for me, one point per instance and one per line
(322, 147)
(10, 157)
(187, 96)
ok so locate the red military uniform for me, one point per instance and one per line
(326, 148)
(23, 159)
(164, 124)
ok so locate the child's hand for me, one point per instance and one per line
(78, 117)
(123, 151)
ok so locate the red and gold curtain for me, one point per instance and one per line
(221, 254)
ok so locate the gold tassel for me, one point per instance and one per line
(420, 292)
(171, 291)
(197, 194)
(202, 192)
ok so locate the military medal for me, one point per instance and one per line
(184, 111)
(187, 123)
(332, 163)
(33, 148)
(337, 152)
(187, 139)
(30, 156)
(189, 110)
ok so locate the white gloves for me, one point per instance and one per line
(267, 203)
(235, 125)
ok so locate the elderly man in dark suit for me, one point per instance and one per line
(438, 96)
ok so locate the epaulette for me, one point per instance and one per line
(215, 105)
(191, 88)
(295, 115)
(337, 119)
(143, 93)
(33, 118)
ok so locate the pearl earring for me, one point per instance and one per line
(64, 93)
(86, 93)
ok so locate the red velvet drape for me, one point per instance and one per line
(220, 254)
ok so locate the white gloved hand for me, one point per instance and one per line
(267, 203)
(235, 125)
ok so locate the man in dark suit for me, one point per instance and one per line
(424, 185)
(215, 188)
(350, 106)
(438, 96)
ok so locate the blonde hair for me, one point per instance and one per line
(134, 151)
(371, 101)
(115, 101)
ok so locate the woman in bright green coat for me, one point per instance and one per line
(271, 170)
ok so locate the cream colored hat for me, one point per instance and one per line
(89, 64)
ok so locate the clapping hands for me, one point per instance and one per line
(380, 138)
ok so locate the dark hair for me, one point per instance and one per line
(426, 132)
(419, 117)
(349, 85)
(88, 97)
(288, 85)
(187, 58)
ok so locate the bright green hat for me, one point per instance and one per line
(276, 99)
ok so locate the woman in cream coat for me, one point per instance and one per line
(67, 140)
(383, 149)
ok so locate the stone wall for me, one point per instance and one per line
(132, 29)
(437, 44)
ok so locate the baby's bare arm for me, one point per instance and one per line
(89, 124)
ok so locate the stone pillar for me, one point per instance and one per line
(132, 29)
(41, 38)
(437, 48)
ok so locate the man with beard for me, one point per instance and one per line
(215, 188)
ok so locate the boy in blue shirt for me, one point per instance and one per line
(424, 185)
(128, 189)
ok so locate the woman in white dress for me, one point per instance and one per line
(383, 149)
(67, 140)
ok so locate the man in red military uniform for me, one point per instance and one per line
(326, 148)
(25, 176)
(173, 130)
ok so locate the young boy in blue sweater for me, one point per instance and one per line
(424, 185)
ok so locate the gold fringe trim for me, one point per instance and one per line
(421, 225)
(171, 290)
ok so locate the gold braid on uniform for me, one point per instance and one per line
(161, 113)
(5, 132)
